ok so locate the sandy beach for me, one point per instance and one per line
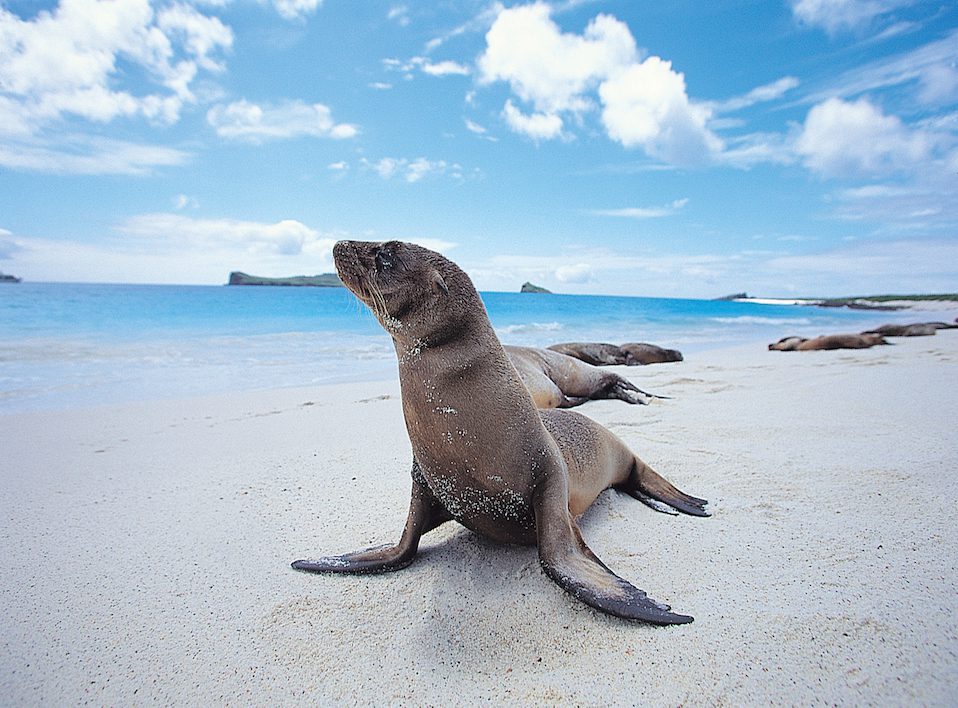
(146, 549)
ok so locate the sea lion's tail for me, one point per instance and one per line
(655, 491)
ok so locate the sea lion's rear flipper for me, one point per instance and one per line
(623, 389)
(425, 514)
(569, 562)
(654, 490)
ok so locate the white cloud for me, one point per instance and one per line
(836, 15)
(285, 238)
(444, 68)
(646, 106)
(760, 94)
(644, 103)
(338, 166)
(412, 171)
(441, 68)
(174, 248)
(421, 167)
(841, 138)
(549, 68)
(295, 9)
(243, 120)
(645, 212)
(929, 66)
(184, 201)
(577, 273)
(79, 155)
(538, 126)
(67, 62)
(475, 127)
(399, 14)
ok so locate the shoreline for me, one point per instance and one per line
(148, 544)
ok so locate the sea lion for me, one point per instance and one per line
(595, 353)
(828, 341)
(558, 381)
(641, 353)
(916, 329)
(482, 454)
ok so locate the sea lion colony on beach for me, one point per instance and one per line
(866, 339)
(482, 454)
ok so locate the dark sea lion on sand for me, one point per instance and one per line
(595, 353)
(482, 454)
(558, 381)
(641, 353)
(827, 341)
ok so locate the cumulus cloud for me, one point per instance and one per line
(242, 120)
(837, 15)
(644, 104)
(65, 62)
(645, 212)
(843, 138)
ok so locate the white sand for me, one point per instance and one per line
(145, 550)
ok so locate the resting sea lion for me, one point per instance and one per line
(640, 353)
(916, 329)
(595, 353)
(558, 381)
(482, 454)
(828, 341)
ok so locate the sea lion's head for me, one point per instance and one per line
(407, 287)
(786, 344)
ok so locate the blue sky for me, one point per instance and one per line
(679, 149)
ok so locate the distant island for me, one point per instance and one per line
(323, 280)
(530, 288)
(6, 278)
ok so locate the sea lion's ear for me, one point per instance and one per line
(438, 284)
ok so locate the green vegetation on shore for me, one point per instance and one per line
(323, 280)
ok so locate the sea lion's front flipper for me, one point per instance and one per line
(425, 514)
(569, 562)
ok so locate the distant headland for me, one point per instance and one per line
(867, 302)
(323, 280)
(6, 278)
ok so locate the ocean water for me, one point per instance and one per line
(74, 345)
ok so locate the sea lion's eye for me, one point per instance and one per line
(384, 259)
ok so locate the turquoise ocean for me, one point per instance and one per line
(74, 345)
